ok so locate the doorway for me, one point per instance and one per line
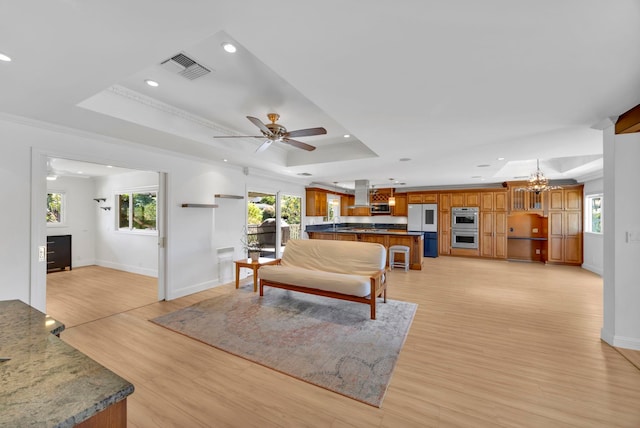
(272, 220)
(115, 218)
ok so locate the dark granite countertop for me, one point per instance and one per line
(382, 230)
(47, 383)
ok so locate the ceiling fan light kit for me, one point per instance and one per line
(276, 132)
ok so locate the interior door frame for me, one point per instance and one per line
(38, 238)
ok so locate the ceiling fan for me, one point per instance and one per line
(276, 132)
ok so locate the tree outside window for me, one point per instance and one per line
(137, 211)
(594, 214)
(55, 208)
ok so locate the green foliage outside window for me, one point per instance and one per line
(137, 211)
(54, 207)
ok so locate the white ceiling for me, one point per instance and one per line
(450, 85)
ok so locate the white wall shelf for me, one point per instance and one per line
(221, 196)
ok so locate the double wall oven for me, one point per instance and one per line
(464, 227)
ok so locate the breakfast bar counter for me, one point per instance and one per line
(46, 383)
(385, 236)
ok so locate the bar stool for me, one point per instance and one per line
(399, 249)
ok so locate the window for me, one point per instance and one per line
(55, 208)
(593, 214)
(137, 211)
(333, 207)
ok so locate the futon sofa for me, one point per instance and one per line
(346, 270)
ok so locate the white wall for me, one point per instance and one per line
(621, 324)
(193, 234)
(15, 256)
(594, 242)
(79, 217)
(128, 251)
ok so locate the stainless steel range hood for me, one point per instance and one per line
(361, 193)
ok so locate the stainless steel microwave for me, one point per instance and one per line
(380, 208)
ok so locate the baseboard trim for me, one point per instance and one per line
(126, 268)
(627, 342)
(175, 294)
(593, 269)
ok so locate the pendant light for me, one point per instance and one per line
(392, 199)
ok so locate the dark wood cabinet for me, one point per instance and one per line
(58, 252)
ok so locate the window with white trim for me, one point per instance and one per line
(593, 213)
(136, 211)
(55, 208)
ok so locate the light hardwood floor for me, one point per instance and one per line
(493, 344)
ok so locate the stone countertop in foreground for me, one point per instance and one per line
(47, 383)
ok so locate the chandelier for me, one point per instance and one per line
(538, 182)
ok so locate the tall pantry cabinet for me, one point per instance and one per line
(565, 225)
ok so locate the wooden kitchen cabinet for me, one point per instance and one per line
(345, 202)
(493, 201)
(444, 232)
(493, 236)
(401, 209)
(465, 199)
(316, 203)
(422, 198)
(444, 203)
(565, 237)
(522, 200)
(565, 226)
(565, 199)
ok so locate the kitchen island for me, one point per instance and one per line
(46, 383)
(385, 236)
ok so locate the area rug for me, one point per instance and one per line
(327, 342)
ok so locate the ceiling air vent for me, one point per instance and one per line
(185, 66)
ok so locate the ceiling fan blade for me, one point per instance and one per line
(257, 122)
(306, 132)
(264, 146)
(238, 136)
(299, 144)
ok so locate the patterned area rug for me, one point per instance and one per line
(327, 342)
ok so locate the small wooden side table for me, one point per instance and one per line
(248, 263)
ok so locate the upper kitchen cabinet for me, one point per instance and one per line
(401, 208)
(569, 198)
(493, 201)
(465, 199)
(522, 200)
(444, 202)
(422, 198)
(316, 202)
(346, 201)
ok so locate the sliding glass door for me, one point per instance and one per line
(272, 220)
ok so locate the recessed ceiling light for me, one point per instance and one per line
(225, 160)
(347, 135)
(152, 83)
(500, 158)
(4, 57)
(80, 172)
(484, 165)
(51, 177)
(109, 166)
(228, 47)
